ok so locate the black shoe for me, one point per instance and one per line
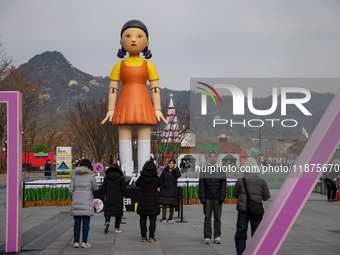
(163, 220)
(152, 240)
(170, 220)
(330, 200)
(106, 229)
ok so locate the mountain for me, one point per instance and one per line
(64, 84)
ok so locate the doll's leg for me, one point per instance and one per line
(144, 135)
(125, 148)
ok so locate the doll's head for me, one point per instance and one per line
(134, 39)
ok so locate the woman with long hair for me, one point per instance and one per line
(169, 178)
(148, 199)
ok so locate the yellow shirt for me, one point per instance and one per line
(132, 61)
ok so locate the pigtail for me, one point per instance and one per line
(121, 53)
(147, 53)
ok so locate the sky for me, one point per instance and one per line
(188, 39)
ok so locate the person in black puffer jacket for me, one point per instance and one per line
(212, 191)
(169, 178)
(258, 191)
(148, 199)
(114, 189)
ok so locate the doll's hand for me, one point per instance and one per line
(160, 117)
(109, 116)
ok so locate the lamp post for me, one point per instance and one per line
(260, 131)
(72, 151)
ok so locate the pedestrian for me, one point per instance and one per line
(330, 176)
(212, 192)
(81, 189)
(148, 199)
(182, 165)
(168, 194)
(48, 171)
(258, 191)
(114, 191)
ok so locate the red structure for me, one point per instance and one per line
(35, 158)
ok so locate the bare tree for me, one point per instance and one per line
(162, 150)
(296, 148)
(24, 81)
(5, 63)
(5, 68)
(84, 120)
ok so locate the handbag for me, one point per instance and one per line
(254, 209)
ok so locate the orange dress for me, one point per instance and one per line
(134, 104)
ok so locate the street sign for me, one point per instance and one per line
(255, 151)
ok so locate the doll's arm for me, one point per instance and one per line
(112, 101)
(156, 98)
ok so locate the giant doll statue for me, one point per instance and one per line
(134, 105)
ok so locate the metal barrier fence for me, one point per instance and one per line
(37, 175)
(321, 187)
(40, 175)
(180, 212)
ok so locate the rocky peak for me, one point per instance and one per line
(63, 83)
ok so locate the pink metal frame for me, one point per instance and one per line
(276, 223)
(297, 187)
(13, 99)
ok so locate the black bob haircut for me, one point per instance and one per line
(150, 166)
(138, 24)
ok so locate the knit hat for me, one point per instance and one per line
(87, 163)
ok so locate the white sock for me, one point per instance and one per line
(125, 154)
(143, 153)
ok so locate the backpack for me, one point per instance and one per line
(254, 209)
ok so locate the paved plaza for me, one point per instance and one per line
(49, 230)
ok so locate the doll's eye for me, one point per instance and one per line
(139, 36)
(127, 36)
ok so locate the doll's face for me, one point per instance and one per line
(134, 40)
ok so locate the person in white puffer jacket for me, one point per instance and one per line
(81, 189)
